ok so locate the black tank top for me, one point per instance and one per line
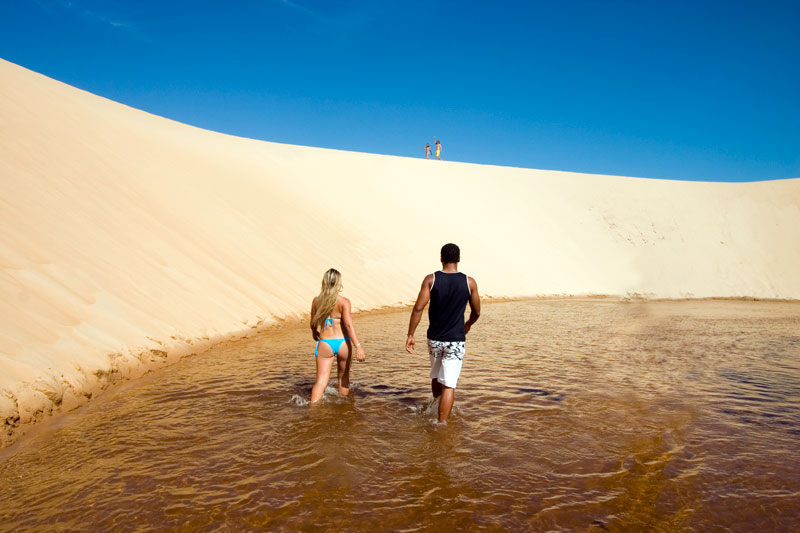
(449, 297)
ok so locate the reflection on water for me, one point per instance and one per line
(570, 415)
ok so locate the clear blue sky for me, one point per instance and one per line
(672, 89)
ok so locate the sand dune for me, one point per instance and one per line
(127, 239)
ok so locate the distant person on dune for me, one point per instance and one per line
(330, 324)
(438, 150)
(448, 291)
(428, 151)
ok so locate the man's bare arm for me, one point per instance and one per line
(416, 313)
(474, 305)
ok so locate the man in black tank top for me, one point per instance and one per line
(448, 291)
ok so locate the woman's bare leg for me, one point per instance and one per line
(343, 369)
(324, 367)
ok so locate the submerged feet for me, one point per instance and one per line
(318, 391)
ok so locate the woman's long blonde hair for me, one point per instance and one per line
(326, 300)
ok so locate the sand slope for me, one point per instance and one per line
(127, 239)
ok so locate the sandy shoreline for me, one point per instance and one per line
(128, 240)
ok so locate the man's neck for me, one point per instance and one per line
(449, 268)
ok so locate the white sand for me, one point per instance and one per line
(127, 239)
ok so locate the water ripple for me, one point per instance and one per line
(570, 415)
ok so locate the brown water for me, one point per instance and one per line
(570, 415)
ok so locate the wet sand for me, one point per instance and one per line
(570, 415)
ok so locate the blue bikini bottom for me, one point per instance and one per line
(335, 344)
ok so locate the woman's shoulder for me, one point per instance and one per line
(339, 307)
(342, 302)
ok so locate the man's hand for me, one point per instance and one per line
(410, 344)
(466, 327)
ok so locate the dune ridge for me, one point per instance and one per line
(128, 240)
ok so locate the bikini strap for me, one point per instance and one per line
(329, 322)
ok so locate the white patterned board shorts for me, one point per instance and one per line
(446, 360)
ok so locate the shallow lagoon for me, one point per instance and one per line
(570, 415)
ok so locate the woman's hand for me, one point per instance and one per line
(360, 355)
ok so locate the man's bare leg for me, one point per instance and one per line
(446, 403)
(436, 388)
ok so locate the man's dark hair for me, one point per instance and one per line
(450, 253)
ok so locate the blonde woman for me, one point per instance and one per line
(330, 324)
